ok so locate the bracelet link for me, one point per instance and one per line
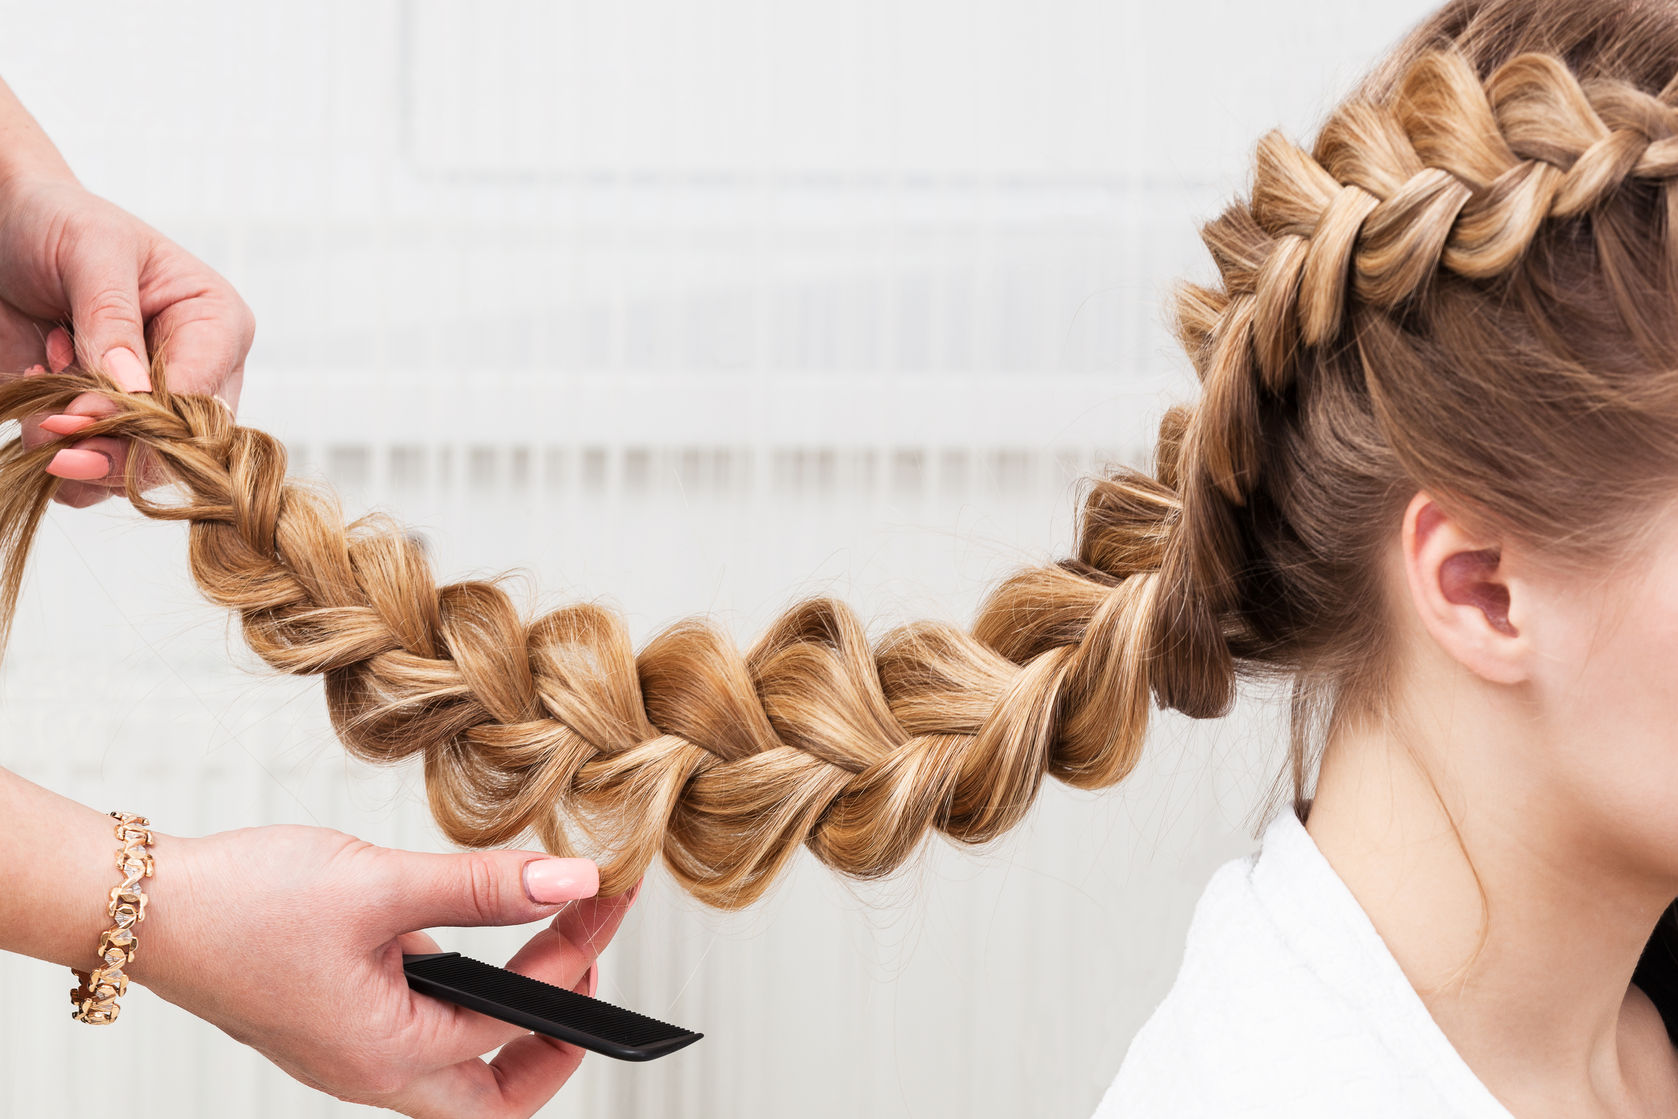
(95, 995)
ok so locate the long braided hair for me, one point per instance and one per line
(1467, 285)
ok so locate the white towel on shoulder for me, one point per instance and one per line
(1288, 1003)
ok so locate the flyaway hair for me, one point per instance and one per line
(1468, 284)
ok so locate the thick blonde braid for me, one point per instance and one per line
(723, 763)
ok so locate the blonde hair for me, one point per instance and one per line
(1466, 285)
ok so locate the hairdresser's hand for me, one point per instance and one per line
(291, 939)
(68, 256)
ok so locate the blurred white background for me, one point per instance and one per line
(693, 308)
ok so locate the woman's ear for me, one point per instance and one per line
(1462, 593)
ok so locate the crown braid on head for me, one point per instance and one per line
(1455, 173)
(722, 762)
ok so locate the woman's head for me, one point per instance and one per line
(1465, 289)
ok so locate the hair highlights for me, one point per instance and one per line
(1467, 285)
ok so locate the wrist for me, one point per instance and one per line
(23, 182)
(26, 153)
(21, 170)
(158, 956)
(60, 909)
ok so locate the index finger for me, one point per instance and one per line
(531, 1068)
(561, 954)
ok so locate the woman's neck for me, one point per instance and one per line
(1545, 1015)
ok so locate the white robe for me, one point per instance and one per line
(1288, 1003)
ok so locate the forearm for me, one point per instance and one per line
(59, 860)
(25, 149)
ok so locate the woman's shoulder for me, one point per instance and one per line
(1228, 1038)
(1282, 1006)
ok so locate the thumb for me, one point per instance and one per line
(484, 887)
(104, 293)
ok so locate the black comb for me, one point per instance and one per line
(542, 1007)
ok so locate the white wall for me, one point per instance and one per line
(697, 307)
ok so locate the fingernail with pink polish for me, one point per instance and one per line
(79, 466)
(550, 881)
(65, 424)
(127, 370)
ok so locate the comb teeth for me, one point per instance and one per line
(539, 1006)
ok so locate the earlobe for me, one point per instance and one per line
(1462, 592)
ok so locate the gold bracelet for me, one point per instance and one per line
(96, 999)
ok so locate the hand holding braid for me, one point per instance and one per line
(724, 763)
